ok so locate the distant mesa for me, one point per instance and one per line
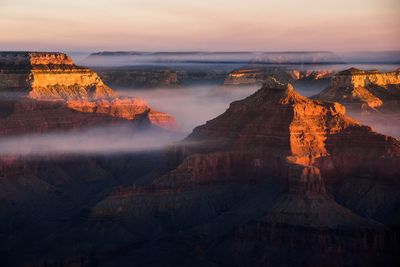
(249, 76)
(44, 81)
(124, 58)
(364, 90)
(171, 69)
(306, 57)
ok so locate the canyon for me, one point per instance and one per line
(277, 174)
(278, 179)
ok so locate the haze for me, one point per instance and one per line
(199, 25)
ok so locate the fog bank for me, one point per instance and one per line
(192, 106)
(99, 140)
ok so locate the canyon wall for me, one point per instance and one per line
(258, 76)
(272, 169)
(53, 80)
(364, 90)
(358, 78)
(49, 76)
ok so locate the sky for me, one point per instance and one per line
(209, 25)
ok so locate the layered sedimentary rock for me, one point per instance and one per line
(49, 76)
(277, 122)
(267, 179)
(371, 97)
(31, 81)
(258, 76)
(365, 90)
(140, 78)
(150, 77)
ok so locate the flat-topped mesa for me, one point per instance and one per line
(365, 90)
(49, 76)
(276, 126)
(54, 77)
(258, 75)
(363, 78)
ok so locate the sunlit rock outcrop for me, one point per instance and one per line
(258, 75)
(53, 80)
(364, 90)
(278, 123)
(275, 172)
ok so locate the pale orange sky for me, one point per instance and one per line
(148, 25)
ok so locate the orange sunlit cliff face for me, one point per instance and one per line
(52, 80)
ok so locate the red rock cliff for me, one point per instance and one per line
(54, 77)
(365, 90)
(277, 125)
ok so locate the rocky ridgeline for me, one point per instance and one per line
(364, 90)
(53, 77)
(276, 126)
(258, 76)
(276, 174)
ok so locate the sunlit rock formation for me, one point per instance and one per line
(258, 75)
(364, 90)
(276, 174)
(49, 76)
(278, 123)
(34, 81)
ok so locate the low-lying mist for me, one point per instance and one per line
(384, 123)
(195, 105)
(192, 106)
(105, 140)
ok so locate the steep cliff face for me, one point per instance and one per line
(54, 81)
(66, 84)
(278, 123)
(258, 76)
(268, 179)
(365, 90)
(50, 76)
